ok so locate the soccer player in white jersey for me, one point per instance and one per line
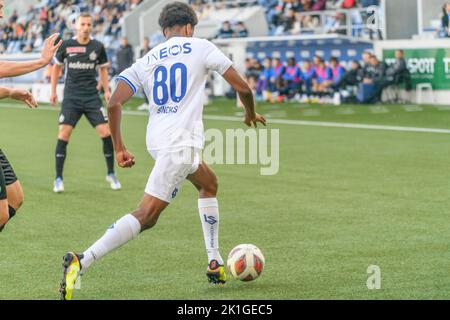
(173, 77)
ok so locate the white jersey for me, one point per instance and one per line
(173, 76)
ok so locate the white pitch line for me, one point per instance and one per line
(345, 111)
(284, 121)
(337, 125)
(443, 108)
(379, 109)
(412, 108)
(311, 113)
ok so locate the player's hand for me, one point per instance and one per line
(125, 159)
(107, 97)
(50, 48)
(54, 99)
(25, 96)
(253, 120)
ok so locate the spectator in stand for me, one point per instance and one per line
(307, 22)
(348, 4)
(125, 56)
(29, 29)
(285, 22)
(335, 24)
(369, 3)
(226, 31)
(319, 5)
(145, 47)
(291, 80)
(241, 30)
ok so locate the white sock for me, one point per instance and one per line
(124, 230)
(209, 216)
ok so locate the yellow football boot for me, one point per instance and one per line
(216, 273)
(71, 269)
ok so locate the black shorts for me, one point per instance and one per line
(7, 175)
(72, 110)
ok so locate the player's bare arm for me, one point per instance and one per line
(14, 69)
(20, 95)
(246, 96)
(56, 73)
(104, 81)
(121, 95)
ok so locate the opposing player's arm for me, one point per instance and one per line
(121, 95)
(20, 95)
(103, 72)
(56, 73)
(104, 80)
(14, 69)
(246, 95)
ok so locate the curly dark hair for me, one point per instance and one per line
(177, 14)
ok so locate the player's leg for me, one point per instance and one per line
(64, 134)
(125, 229)
(205, 181)
(14, 201)
(15, 197)
(99, 120)
(4, 215)
(68, 119)
(11, 192)
(166, 177)
(122, 231)
(108, 151)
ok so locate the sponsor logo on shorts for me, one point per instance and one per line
(61, 118)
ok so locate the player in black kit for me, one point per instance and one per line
(82, 57)
(11, 192)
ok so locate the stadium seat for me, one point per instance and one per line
(421, 88)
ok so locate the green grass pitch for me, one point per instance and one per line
(343, 199)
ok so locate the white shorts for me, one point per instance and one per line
(170, 170)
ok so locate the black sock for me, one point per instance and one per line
(108, 151)
(12, 212)
(60, 156)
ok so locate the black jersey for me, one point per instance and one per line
(81, 63)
